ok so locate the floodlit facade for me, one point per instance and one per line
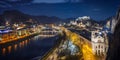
(99, 43)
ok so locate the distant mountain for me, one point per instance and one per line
(47, 20)
(15, 16)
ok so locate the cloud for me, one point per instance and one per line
(96, 9)
(4, 4)
(17, 1)
(48, 1)
(57, 1)
(9, 3)
(74, 1)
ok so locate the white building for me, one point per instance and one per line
(73, 22)
(108, 24)
(83, 18)
(99, 43)
(81, 25)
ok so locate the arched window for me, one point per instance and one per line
(98, 46)
(101, 47)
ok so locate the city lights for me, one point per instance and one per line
(59, 30)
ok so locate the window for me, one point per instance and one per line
(98, 46)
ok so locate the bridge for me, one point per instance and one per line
(49, 32)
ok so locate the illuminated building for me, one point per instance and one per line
(81, 22)
(73, 22)
(83, 18)
(99, 43)
(81, 25)
(108, 24)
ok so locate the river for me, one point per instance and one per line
(27, 49)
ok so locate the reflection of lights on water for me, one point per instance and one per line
(9, 49)
(26, 42)
(15, 47)
(23, 43)
(3, 51)
(20, 45)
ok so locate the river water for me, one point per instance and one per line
(27, 49)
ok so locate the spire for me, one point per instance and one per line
(118, 14)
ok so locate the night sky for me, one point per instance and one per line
(96, 9)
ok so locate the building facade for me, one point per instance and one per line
(99, 43)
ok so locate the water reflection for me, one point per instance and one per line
(23, 43)
(15, 47)
(8, 49)
(26, 42)
(20, 44)
(26, 49)
(3, 51)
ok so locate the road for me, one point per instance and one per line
(87, 53)
(80, 41)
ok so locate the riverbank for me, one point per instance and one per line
(17, 39)
(57, 44)
(27, 48)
